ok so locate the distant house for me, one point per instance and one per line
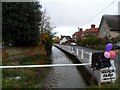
(109, 26)
(92, 32)
(77, 35)
(65, 40)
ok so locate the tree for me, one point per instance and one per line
(45, 30)
(45, 23)
(20, 23)
(56, 40)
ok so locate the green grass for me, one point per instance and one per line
(0, 77)
(30, 77)
(107, 86)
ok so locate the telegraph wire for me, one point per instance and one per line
(98, 13)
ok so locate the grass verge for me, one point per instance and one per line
(108, 86)
(24, 77)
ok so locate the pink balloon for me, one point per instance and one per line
(112, 54)
(107, 54)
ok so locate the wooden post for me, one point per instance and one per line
(99, 83)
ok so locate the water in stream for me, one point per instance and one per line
(63, 77)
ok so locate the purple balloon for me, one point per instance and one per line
(109, 46)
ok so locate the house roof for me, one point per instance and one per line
(91, 30)
(112, 21)
(67, 37)
(78, 33)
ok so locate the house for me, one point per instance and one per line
(77, 35)
(108, 27)
(92, 32)
(65, 40)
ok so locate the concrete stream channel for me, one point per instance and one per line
(65, 77)
(87, 73)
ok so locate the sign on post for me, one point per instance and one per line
(99, 61)
(108, 74)
(105, 66)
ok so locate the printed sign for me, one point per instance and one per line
(99, 61)
(108, 74)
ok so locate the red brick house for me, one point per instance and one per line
(77, 35)
(92, 32)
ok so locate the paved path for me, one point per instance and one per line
(82, 53)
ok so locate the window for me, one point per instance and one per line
(82, 34)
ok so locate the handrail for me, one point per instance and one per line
(49, 65)
(86, 52)
(76, 51)
(56, 65)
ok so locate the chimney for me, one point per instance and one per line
(80, 29)
(61, 36)
(93, 26)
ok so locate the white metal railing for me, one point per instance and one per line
(77, 52)
(50, 65)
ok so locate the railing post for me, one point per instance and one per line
(72, 50)
(77, 51)
(69, 48)
(90, 57)
(81, 54)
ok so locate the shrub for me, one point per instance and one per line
(94, 42)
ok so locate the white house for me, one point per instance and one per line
(65, 39)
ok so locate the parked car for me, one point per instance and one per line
(73, 44)
(117, 45)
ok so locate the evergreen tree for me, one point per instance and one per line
(20, 23)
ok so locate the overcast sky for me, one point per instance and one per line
(68, 15)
